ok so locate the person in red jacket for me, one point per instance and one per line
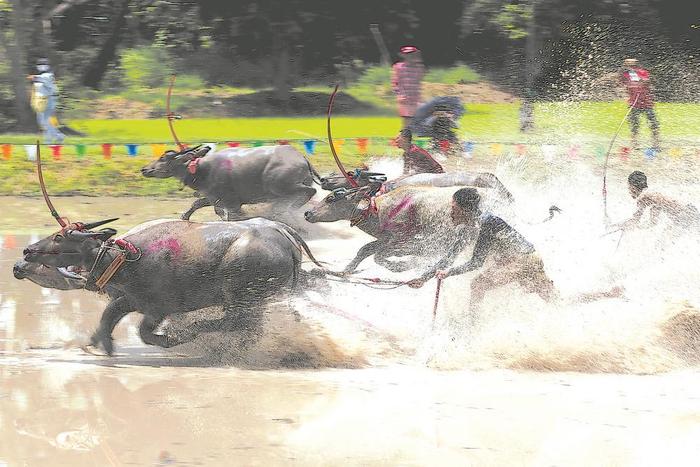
(636, 80)
(415, 159)
(406, 77)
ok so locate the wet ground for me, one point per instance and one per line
(364, 378)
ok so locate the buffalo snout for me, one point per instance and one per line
(146, 172)
(309, 215)
(18, 271)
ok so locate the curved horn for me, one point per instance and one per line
(350, 180)
(60, 220)
(92, 225)
(70, 275)
(171, 116)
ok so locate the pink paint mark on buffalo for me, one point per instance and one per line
(410, 225)
(168, 244)
(226, 164)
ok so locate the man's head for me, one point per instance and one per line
(409, 53)
(465, 205)
(637, 182)
(42, 65)
(405, 139)
(630, 63)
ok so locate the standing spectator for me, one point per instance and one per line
(636, 80)
(406, 82)
(44, 99)
(415, 159)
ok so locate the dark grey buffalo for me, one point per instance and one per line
(174, 266)
(377, 180)
(48, 277)
(233, 177)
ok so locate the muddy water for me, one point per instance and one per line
(364, 377)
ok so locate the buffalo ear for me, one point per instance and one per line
(105, 234)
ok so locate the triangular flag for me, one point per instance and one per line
(421, 143)
(650, 154)
(107, 150)
(56, 151)
(233, 144)
(6, 151)
(309, 146)
(676, 152)
(600, 152)
(362, 145)
(282, 142)
(80, 149)
(132, 149)
(30, 149)
(549, 151)
(496, 149)
(444, 145)
(624, 153)
(157, 150)
(257, 144)
(338, 144)
(10, 242)
(573, 152)
(520, 149)
(468, 149)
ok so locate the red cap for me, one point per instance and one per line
(408, 49)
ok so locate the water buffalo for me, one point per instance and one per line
(47, 277)
(175, 266)
(411, 220)
(233, 177)
(451, 179)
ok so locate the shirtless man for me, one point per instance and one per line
(682, 215)
(515, 259)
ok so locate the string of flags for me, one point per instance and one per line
(548, 151)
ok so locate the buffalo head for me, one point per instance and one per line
(50, 278)
(68, 246)
(341, 204)
(173, 163)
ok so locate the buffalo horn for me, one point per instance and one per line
(92, 225)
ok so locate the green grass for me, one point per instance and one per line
(560, 123)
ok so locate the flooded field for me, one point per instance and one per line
(347, 375)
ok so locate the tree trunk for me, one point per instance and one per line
(527, 107)
(97, 69)
(16, 47)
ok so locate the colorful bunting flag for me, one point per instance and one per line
(107, 150)
(362, 145)
(496, 149)
(600, 152)
(56, 151)
(257, 144)
(549, 151)
(6, 151)
(338, 144)
(468, 149)
(30, 149)
(309, 146)
(282, 142)
(650, 154)
(157, 150)
(233, 144)
(676, 152)
(625, 153)
(10, 242)
(444, 145)
(80, 150)
(573, 152)
(421, 143)
(520, 149)
(132, 149)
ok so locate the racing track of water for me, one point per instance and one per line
(363, 377)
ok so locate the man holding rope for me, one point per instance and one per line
(681, 214)
(516, 258)
(636, 81)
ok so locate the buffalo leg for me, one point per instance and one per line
(382, 259)
(363, 253)
(113, 313)
(146, 328)
(198, 204)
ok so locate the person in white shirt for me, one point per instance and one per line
(44, 100)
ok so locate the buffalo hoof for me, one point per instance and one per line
(185, 217)
(106, 342)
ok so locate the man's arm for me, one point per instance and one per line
(461, 241)
(483, 246)
(634, 220)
